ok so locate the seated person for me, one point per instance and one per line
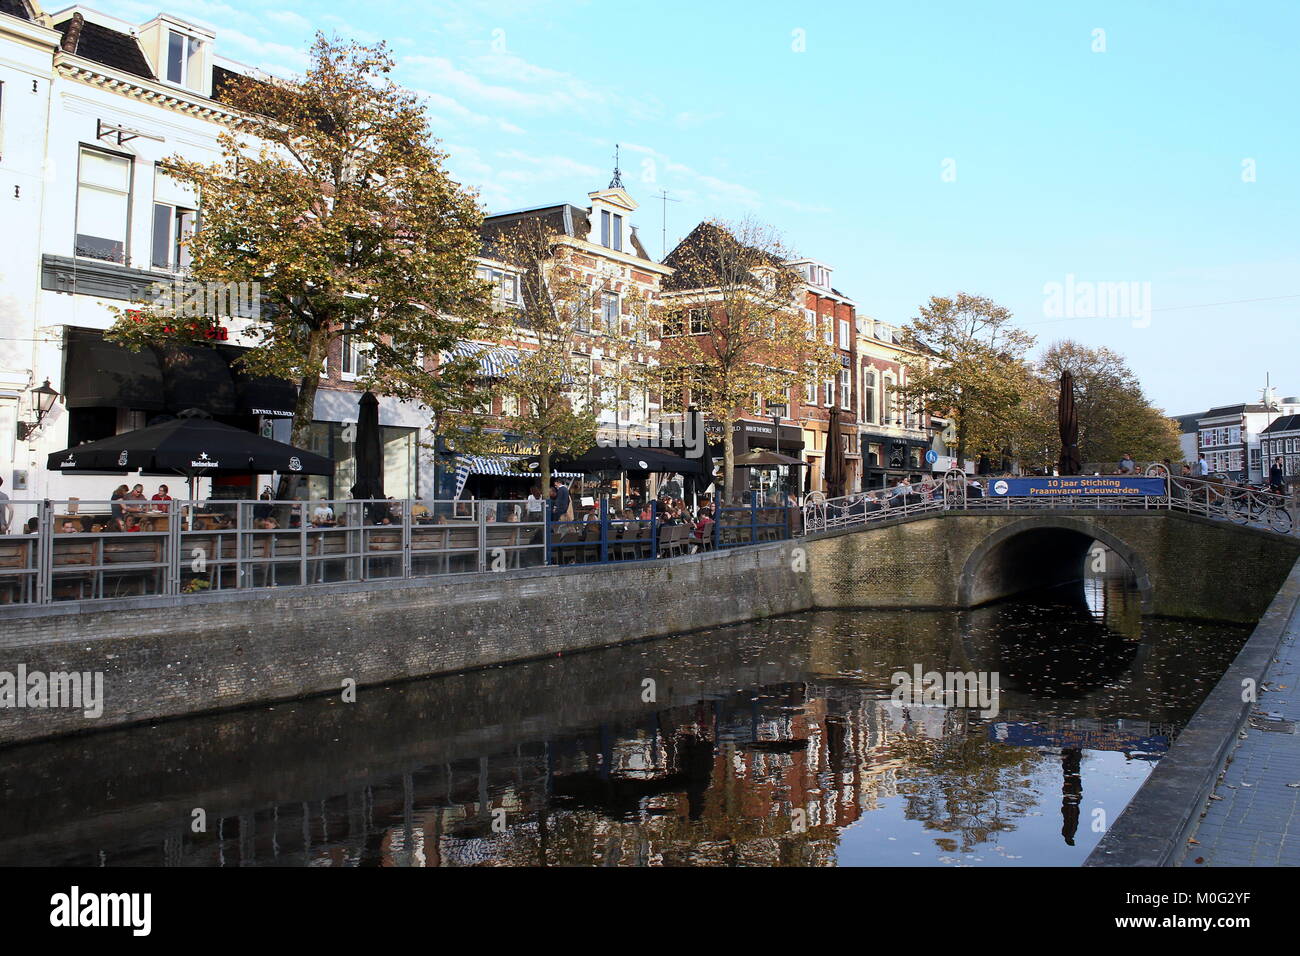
(322, 515)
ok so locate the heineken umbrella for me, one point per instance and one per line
(191, 445)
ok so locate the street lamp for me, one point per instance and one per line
(43, 400)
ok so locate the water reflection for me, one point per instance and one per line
(773, 743)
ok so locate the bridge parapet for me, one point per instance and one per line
(925, 555)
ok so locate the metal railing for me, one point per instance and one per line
(601, 536)
(1208, 498)
(78, 550)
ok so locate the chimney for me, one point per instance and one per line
(70, 38)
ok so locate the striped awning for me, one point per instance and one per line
(494, 361)
(508, 466)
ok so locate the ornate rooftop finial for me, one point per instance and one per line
(617, 181)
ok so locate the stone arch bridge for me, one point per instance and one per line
(1185, 565)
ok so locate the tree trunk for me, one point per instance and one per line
(544, 459)
(304, 411)
(961, 442)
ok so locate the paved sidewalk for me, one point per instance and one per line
(1256, 820)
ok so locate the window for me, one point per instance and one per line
(103, 205)
(183, 59)
(828, 388)
(354, 362)
(828, 330)
(810, 389)
(869, 397)
(811, 318)
(845, 341)
(510, 405)
(700, 321)
(505, 285)
(674, 324)
(609, 313)
(611, 230)
(579, 396)
(846, 388)
(172, 228)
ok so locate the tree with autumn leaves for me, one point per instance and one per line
(734, 327)
(554, 387)
(974, 366)
(332, 195)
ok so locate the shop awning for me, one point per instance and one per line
(262, 395)
(196, 377)
(494, 361)
(102, 373)
(506, 466)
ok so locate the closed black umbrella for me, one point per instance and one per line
(369, 451)
(1067, 415)
(835, 464)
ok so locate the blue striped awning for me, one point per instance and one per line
(505, 465)
(494, 361)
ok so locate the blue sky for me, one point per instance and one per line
(1129, 164)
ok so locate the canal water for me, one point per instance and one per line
(791, 741)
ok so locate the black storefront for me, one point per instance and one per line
(748, 435)
(886, 458)
(110, 389)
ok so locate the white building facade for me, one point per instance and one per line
(90, 109)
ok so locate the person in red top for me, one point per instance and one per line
(161, 495)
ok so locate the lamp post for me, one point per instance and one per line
(43, 399)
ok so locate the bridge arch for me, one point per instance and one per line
(1041, 552)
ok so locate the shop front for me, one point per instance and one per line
(750, 435)
(887, 458)
(109, 389)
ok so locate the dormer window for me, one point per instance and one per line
(184, 59)
(611, 230)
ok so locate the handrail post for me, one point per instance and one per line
(546, 533)
(302, 540)
(408, 512)
(753, 517)
(482, 535)
(604, 529)
(174, 548)
(46, 572)
(654, 529)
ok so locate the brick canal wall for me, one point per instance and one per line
(164, 657)
(167, 657)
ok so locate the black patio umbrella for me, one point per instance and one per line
(1067, 418)
(369, 451)
(620, 458)
(191, 445)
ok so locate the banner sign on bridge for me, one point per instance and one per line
(1117, 485)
